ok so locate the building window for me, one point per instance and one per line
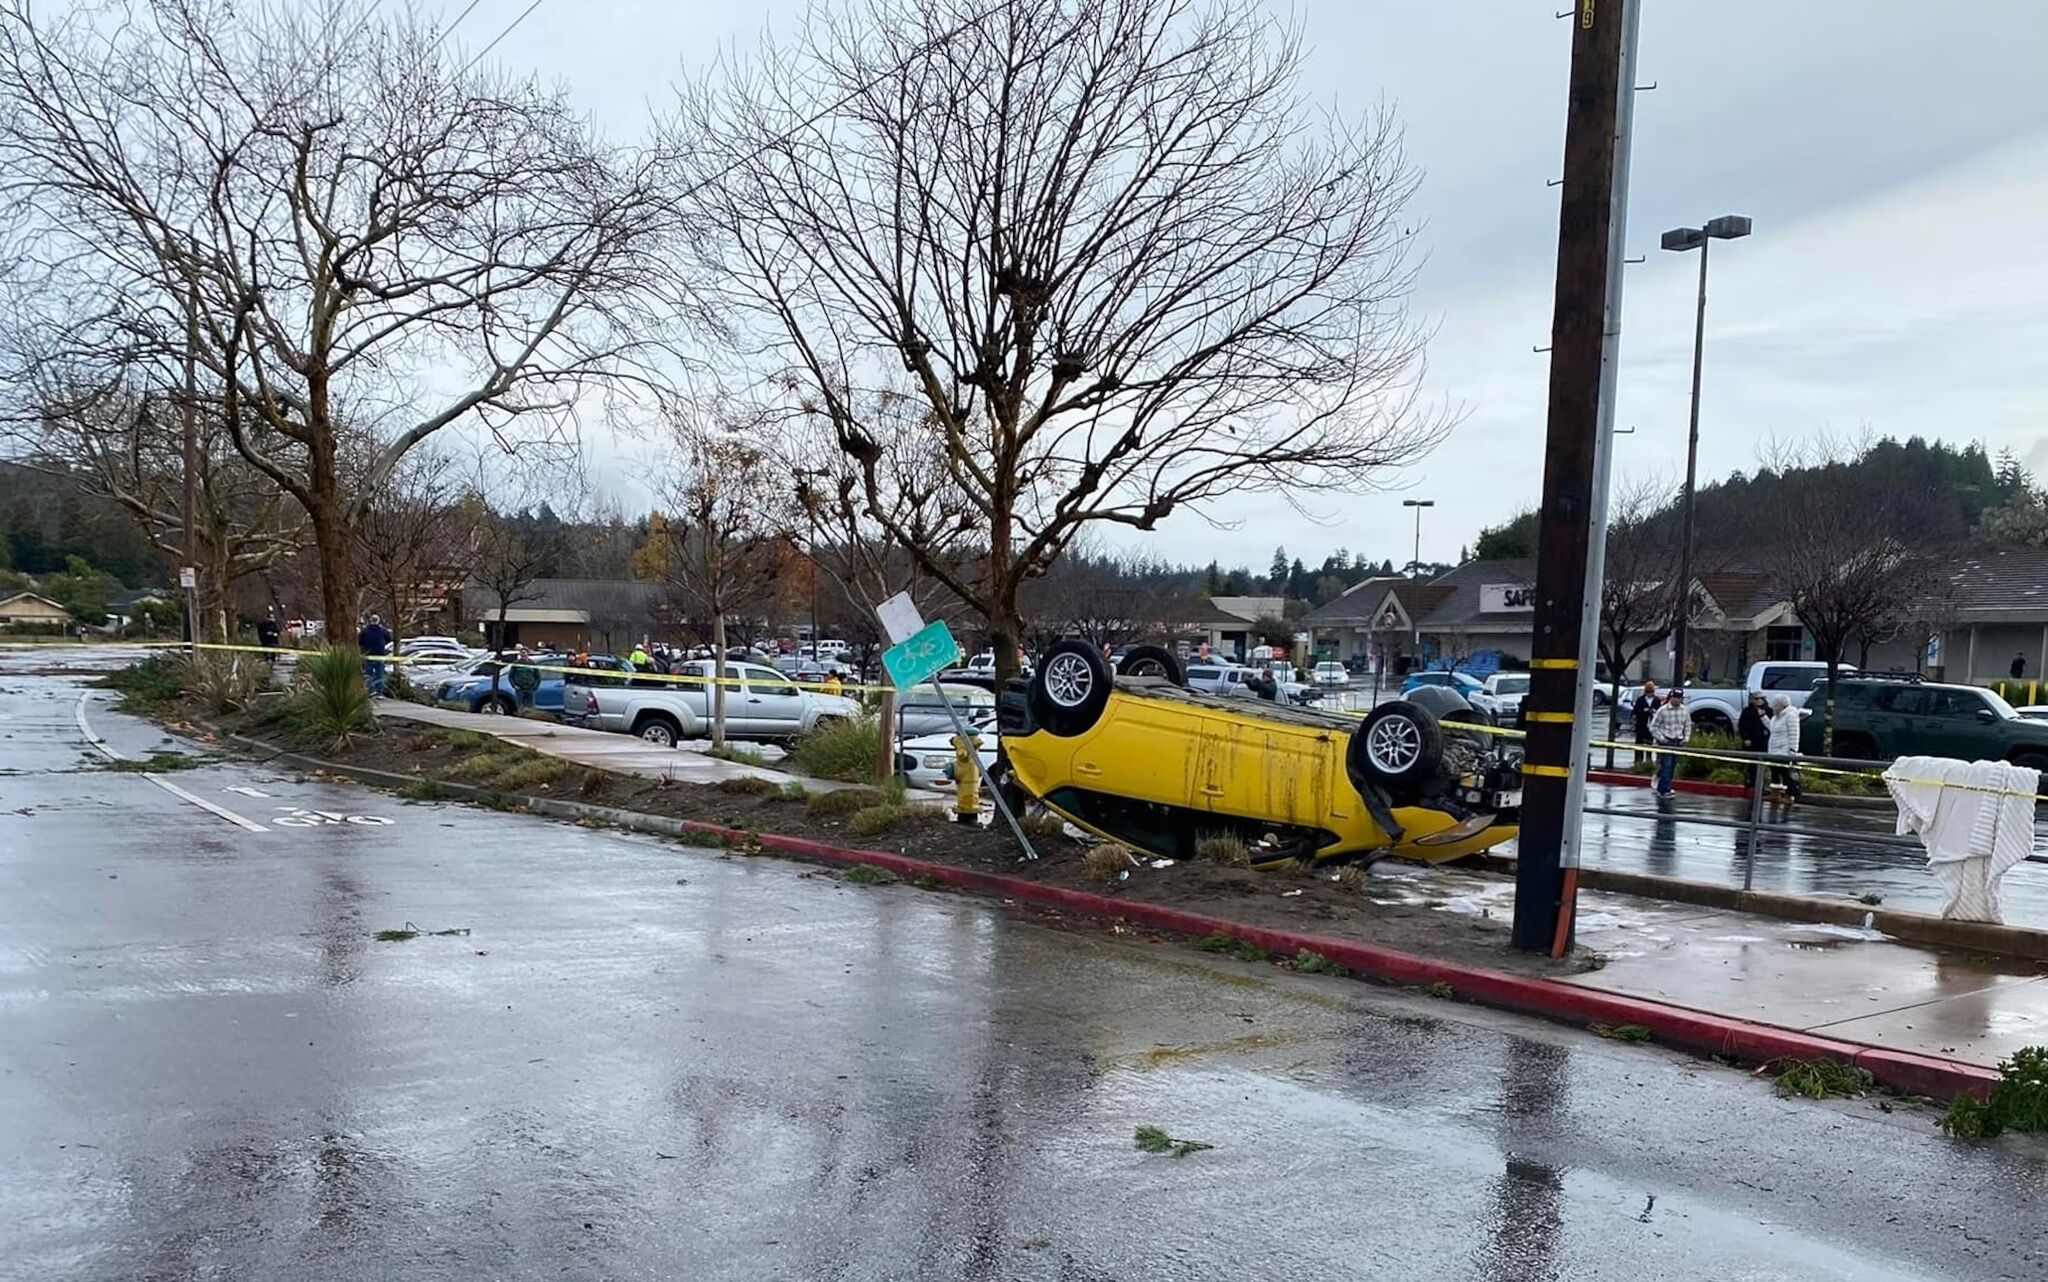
(1782, 644)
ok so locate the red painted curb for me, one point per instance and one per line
(1699, 786)
(1569, 1003)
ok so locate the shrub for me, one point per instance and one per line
(528, 772)
(1107, 863)
(1043, 826)
(423, 790)
(1314, 963)
(333, 701)
(1716, 741)
(748, 785)
(591, 784)
(739, 755)
(869, 875)
(225, 682)
(842, 749)
(1225, 848)
(793, 791)
(873, 820)
(844, 801)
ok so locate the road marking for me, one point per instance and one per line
(100, 745)
(246, 792)
(301, 817)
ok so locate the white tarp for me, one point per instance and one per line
(1976, 819)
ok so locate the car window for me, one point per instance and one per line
(1512, 685)
(1955, 703)
(1788, 679)
(1996, 702)
(765, 680)
(1200, 673)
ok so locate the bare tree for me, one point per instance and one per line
(348, 229)
(413, 542)
(1846, 576)
(1638, 588)
(1124, 273)
(729, 522)
(504, 561)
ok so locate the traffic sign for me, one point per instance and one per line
(923, 656)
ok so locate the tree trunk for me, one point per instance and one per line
(1827, 725)
(718, 678)
(1005, 629)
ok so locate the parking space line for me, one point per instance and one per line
(100, 745)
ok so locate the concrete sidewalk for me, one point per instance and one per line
(624, 754)
(1837, 982)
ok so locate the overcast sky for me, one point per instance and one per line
(1894, 156)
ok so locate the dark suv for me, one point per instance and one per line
(1880, 719)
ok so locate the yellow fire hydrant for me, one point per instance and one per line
(966, 780)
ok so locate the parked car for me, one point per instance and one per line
(1500, 696)
(2033, 711)
(927, 760)
(1158, 766)
(760, 703)
(1718, 707)
(1884, 717)
(919, 712)
(1217, 678)
(1332, 674)
(507, 686)
(1463, 684)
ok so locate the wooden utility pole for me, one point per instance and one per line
(187, 574)
(1573, 484)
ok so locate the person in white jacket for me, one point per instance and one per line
(1785, 743)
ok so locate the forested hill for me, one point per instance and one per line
(1926, 491)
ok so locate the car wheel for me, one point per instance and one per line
(499, 706)
(659, 731)
(1855, 747)
(2032, 761)
(1070, 688)
(1151, 661)
(1714, 723)
(1397, 747)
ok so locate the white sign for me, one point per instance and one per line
(1506, 598)
(188, 577)
(900, 618)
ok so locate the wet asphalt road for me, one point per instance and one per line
(647, 1061)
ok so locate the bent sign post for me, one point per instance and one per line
(921, 657)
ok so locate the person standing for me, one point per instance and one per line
(2019, 667)
(375, 642)
(1753, 727)
(1670, 727)
(1784, 742)
(1644, 707)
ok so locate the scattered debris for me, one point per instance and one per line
(1314, 963)
(1231, 946)
(2018, 1100)
(411, 931)
(1622, 1032)
(1821, 1078)
(869, 875)
(1151, 1139)
(1440, 989)
(1651, 1203)
(1873, 900)
(1108, 863)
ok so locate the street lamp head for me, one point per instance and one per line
(1680, 239)
(1418, 502)
(1728, 227)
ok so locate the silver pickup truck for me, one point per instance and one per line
(760, 703)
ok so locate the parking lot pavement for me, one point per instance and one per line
(643, 1060)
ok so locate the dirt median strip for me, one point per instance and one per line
(1674, 1026)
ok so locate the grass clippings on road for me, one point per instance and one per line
(1152, 1139)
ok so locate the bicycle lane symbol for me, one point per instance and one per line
(302, 817)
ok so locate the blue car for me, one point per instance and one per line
(1462, 683)
(506, 689)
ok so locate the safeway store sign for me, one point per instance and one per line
(1506, 598)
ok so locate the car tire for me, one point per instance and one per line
(1714, 722)
(497, 705)
(2032, 761)
(1855, 747)
(1151, 661)
(1397, 747)
(1070, 688)
(658, 729)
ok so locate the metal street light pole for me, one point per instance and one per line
(1679, 240)
(1415, 566)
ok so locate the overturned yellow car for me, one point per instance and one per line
(1138, 759)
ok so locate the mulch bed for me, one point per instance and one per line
(1281, 898)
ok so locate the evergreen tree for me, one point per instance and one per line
(1276, 576)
